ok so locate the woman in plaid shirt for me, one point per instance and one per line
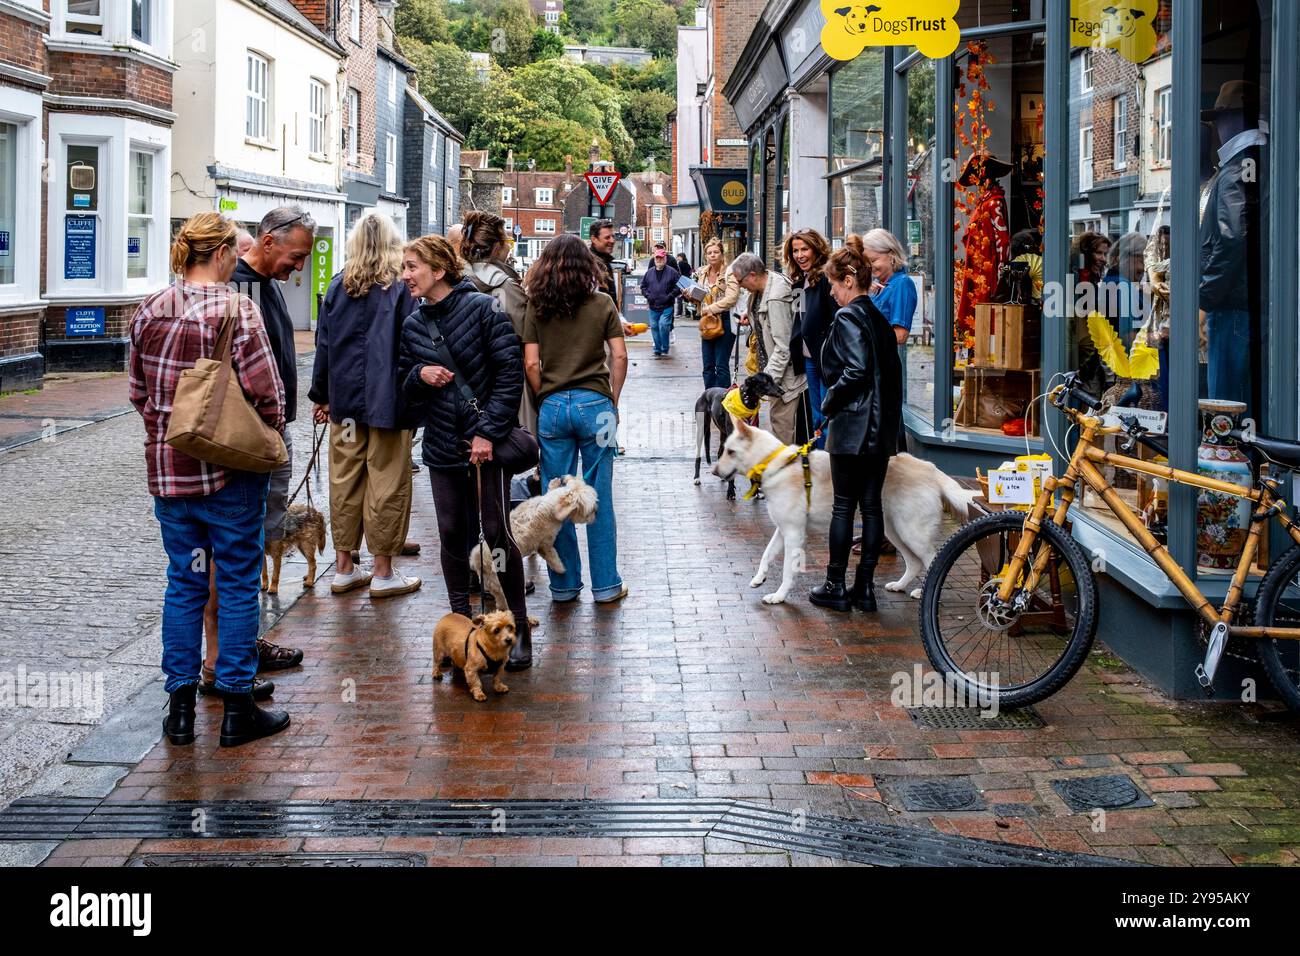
(207, 513)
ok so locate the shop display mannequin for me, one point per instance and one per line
(987, 241)
(1231, 242)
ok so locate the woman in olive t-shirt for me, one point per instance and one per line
(566, 331)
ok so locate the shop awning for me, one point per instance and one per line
(724, 192)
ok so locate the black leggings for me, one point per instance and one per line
(858, 481)
(455, 499)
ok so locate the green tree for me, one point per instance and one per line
(512, 25)
(423, 20)
(589, 20)
(645, 115)
(546, 45)
(650, 24)
(446, 78)
(550, 141)
(504, 117)
(561, 88)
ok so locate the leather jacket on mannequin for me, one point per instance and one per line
(864, 378)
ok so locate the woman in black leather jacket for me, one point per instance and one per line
(458, 438)
(864, 405)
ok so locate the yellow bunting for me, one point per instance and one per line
(1142, 363)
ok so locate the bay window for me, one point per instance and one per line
(85, 17)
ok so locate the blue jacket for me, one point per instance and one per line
(357, 344)
(490, 358)
(659, 286)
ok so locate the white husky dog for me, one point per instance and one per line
(914, 498)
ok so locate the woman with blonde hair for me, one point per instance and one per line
(204, 509)
(722, 295)
(804, 255)
(462, 369)
(354, 388)
(891, 288)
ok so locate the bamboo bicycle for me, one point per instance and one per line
(1009, 609)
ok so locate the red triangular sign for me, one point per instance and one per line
(602, 185)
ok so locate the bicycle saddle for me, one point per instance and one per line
(1278, 450)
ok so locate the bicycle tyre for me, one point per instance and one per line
(1284, 675)
(1085, 619)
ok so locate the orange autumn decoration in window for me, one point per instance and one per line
(981, 204)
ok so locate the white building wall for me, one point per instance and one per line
(692, 70)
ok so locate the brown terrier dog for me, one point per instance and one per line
(304, 529)
(482, 644)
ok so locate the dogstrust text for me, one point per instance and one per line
(922, 688)
(53, 690)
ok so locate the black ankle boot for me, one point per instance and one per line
(521, 651)
(832, 594)
(864, 589)
(245, 721)
(178, 725)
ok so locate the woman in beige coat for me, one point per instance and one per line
(724, 290)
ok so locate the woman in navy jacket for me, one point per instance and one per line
(354, 388)
(458, 436)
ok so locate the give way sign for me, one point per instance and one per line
(602, 185)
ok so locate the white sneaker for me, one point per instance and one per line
(393, 586)
(343, 583)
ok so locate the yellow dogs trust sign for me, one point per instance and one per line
(928, 25)
(1125, 26)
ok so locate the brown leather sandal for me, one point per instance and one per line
(273, 657)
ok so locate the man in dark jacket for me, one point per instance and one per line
(659, 286)
(281, 247)
(1233, 234)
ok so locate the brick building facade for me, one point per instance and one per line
(86, 121)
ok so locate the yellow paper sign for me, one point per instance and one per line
(1125, 26)
(928, 25)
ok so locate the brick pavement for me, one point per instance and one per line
(693, 688)
(84, 568)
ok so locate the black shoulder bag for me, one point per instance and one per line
(518, 452)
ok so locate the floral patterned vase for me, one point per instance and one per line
(1222, 521)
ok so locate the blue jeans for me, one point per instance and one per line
(661, 326)
(816, 394)
(1228, 335)
(717, 357)
(569, 422)
(225, 527)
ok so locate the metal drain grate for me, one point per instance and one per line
(972, 718)
(1111, 792)
(55, 818)
(939, 795)
(280, 859)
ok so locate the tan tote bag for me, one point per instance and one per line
(213, 421)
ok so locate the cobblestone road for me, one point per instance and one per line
(83, 566)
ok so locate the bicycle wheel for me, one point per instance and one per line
(1275, 607)
(1022, 652)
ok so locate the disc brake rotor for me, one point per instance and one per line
(994, 613)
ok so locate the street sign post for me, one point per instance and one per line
(602, 185)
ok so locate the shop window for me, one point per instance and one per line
(755, 199)
(8, 201)
(140, 219)
(1236, 78)
(858, 110)
(784, 222)
(81, 207)
(997, 253)
(919, 238)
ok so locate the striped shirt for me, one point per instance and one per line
(171, 330)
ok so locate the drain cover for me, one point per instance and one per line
(1111, 792)
(280, 859)
(938, 795)
(972, 718)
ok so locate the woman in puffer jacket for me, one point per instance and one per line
(485, 248)
(458, 438)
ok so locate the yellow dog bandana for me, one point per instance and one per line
(733, 404)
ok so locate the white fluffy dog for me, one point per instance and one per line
(534, 525)
(914, 498)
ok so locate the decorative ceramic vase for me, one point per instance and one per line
(1222, 521)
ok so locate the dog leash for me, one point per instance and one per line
(755, 474)
(311, 465)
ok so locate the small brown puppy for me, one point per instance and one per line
(482, 644)
(304, 529)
